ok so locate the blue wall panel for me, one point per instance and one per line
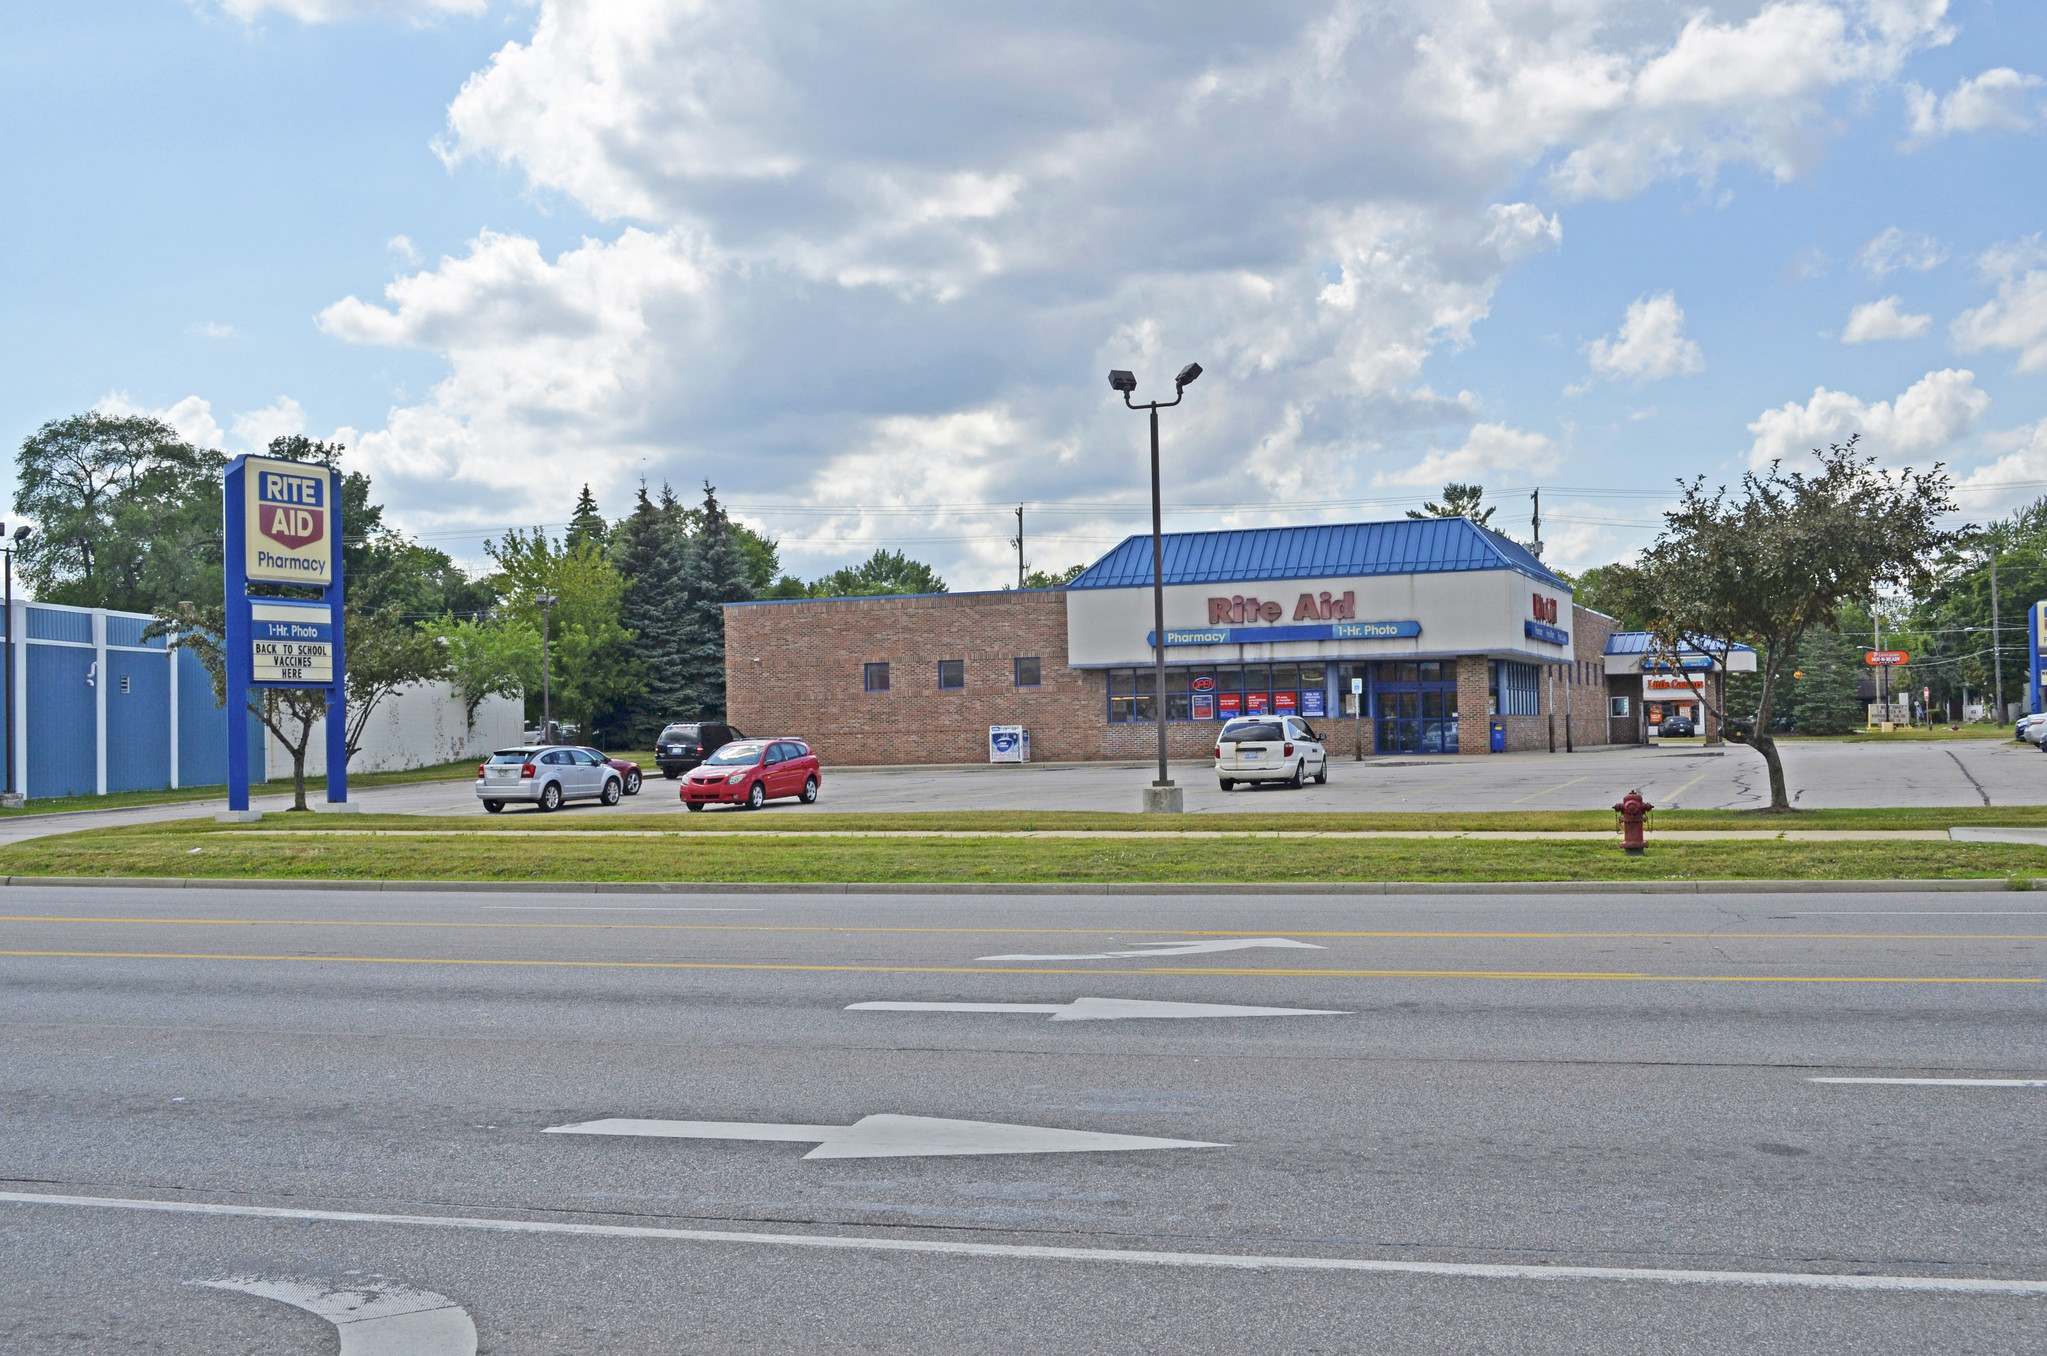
(49, 623)
(202, 729)
(63, 714)
(126, 629)
(138, 721)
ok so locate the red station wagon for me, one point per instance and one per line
(752, 772)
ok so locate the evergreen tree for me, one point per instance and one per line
(717, 574)
(586, 524)
(1459, 501)
(651, 557)
(1825, 693)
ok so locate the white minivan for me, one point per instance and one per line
(1269, 749)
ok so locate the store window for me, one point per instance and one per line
(952, 673)
(1516, 688)
(1027, 672)
(1220, 692)
(1617, 707)
(877, 677)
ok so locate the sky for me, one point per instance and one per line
(865, 268)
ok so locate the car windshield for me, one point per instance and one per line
(676, 734)
(1250, 732)
(735, 754)
(511, 755)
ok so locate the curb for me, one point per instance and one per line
(1203, 888)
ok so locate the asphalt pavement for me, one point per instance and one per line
(1527, 1124)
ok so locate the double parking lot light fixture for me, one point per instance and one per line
(1126, 383)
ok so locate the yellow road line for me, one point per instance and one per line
(1605, 975)
(1066, 932)
(1558, 787)
(1671, 799)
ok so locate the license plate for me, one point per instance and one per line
(1250, 753)
(500, 772)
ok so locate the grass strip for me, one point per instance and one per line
(163, 850)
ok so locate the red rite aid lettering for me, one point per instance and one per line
(291, 510)
(1310, 607)
(1545, 609)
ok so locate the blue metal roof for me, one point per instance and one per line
(1637, 642)
(1320, 551)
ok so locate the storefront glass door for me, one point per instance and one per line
(1414, 706)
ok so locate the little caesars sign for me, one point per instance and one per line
(288, 541)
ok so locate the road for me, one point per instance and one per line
(1674, 776)
(1528, 1083)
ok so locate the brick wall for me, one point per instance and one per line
(798, 669)
(1583, 697)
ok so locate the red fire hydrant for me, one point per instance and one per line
(1634, 817)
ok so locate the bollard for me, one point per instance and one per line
(1633, 818)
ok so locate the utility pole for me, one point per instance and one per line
(1996, 646)
(1536, 547)
(1017, 542)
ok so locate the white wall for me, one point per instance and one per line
(417, 726)
(1460, 611)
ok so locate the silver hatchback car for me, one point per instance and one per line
(546, 775)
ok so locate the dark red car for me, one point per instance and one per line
(625, 767)
(752, 772)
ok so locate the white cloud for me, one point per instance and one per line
(330, 11)
(2010, 481)
(1490, 448)
(824, 230)
(1999, 99)
(190, 418)
(1892, 249)
(1936, 412)
(2017, 317)
(1651, 344)
(402, 246)
(1881, 319)
(209, 329)
(280, 419)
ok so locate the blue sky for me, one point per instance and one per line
(865, 271)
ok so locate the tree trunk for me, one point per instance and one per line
(298, 778)
(1766, 746)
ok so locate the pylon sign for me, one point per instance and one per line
(283, 522)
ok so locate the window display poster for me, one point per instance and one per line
(1284, 703)
(1254, 703)
(1204, 706)
(1312, 702)
(1228, 704)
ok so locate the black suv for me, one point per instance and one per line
(682, 746)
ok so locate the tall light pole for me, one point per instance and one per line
(547, 602)
(14, 543)
(1126, 383)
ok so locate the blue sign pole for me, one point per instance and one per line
(2038, 616)
(337, 708)
(240, 653)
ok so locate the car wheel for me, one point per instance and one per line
(1296, 780)
(493, 807)
(1322, 777)
(551, 797)
(632, 782)
(810, 790)
(756, 796)
(1227, 784)
(695, 807)
(613, 792)
(669, 776)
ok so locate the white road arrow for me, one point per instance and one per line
(375, 1320)
(1176, 949)
(1103, 1009)
(893, 1136)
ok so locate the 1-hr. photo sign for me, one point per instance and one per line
(289, 539)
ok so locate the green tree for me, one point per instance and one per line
(884, 572)
(384, 654)
(129, 513)
(590, 658)
(652, 555)
(494, 657)
(1825, 694)
(1038, 579)
(586, 524)
(716, 573)
(1772, 562)
(1595, 589)
(291, 714)
(1459, 501)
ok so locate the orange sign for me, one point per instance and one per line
(1885, 657)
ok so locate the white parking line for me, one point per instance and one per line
(1485, 1271)
(1943, 1082)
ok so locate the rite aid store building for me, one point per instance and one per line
(1455, 639)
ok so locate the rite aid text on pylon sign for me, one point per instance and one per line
(288, 513)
